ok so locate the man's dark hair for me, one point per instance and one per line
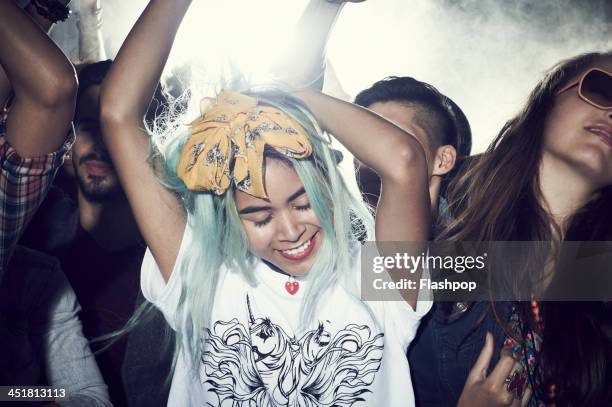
(91, 74)
(437, 113)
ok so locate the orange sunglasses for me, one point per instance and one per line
(594, 87)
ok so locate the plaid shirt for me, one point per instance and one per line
(24, 183)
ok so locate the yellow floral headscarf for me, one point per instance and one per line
(227, 144)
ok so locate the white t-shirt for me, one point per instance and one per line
(255, 355)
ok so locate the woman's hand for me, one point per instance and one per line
(491, 390)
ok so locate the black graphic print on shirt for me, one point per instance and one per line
(263, 366)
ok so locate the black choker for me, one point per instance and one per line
(291, 285)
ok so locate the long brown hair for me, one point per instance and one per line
(498, 198)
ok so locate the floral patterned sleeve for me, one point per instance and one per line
(525, 345)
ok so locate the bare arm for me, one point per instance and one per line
(306, 60)
(46, 25)
(43, 81)
(403, 211)
(91, 44)
(393, 153)
(304, 65)
(137, 68)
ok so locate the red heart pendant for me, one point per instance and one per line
(292, 287)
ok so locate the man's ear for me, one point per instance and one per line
(444, 160)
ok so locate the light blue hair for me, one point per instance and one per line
(220, 240)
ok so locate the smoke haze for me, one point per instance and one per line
(485, 54)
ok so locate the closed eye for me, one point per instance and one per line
(262, 223)
(302, 207)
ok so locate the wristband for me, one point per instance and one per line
(52, 10)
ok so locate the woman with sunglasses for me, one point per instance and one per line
(253, 236)
(561, 145)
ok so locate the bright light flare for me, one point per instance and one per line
(486, 60)
(248, 36)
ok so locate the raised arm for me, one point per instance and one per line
(125, 97)
(91, 43)
(403, 211)
(402, 214)
(5, 85)
(42, 80)
(304, 65)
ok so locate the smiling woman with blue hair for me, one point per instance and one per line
(253, 236)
